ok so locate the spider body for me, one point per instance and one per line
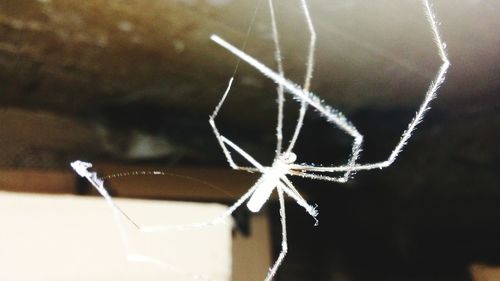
(272, 177)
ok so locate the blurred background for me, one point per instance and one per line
(131, 83)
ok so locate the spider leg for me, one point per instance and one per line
(118, 215)
(330, 114)
(424, 106)
(220, 138)
(284, 242)
(308, 75)
(290, 190)
(82, 168)
(307, 79)
(280, 90)
(337, 118)
(98, 183)
(302, 172)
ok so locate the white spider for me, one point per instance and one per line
(275, 176)
(284, 161)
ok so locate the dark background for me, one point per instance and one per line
(130, 82)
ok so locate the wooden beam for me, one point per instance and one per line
(37, 181)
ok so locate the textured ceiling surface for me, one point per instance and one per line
(77, 56)
(145, 72)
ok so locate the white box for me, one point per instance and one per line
(66, 237)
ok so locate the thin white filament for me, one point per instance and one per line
(280, 91)
(308, 75)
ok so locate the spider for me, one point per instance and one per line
(275, 176)
(284, 163)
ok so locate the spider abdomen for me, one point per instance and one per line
(265, 186)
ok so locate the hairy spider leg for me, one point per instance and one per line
(430, 95)
(340, 120)
(330, 114)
